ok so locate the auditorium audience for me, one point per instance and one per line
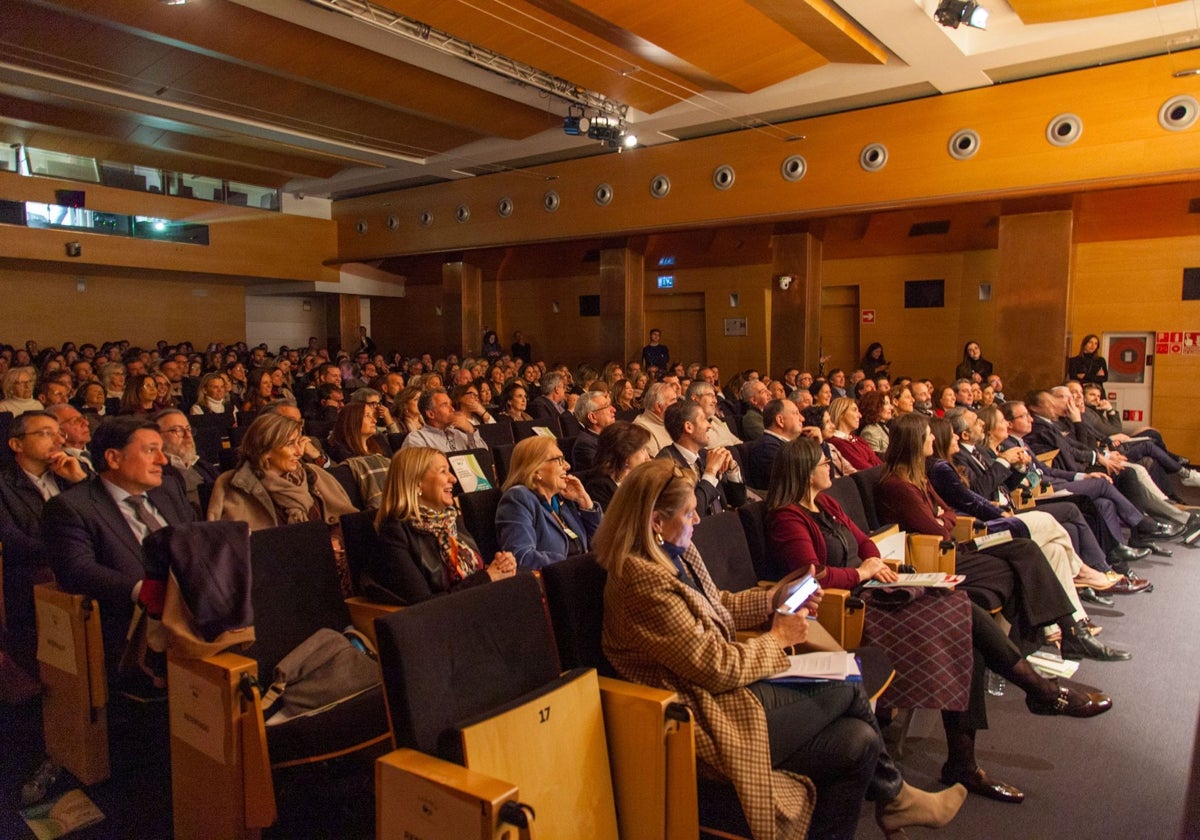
(545, 514)
(424, 550)
(807, 528)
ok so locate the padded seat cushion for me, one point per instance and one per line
(332, 729)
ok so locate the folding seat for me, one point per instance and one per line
(497, 434)
(528, 428)
(473, 678)
(479, 517)
(222, 754)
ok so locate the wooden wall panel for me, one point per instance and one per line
(410, 324)
(1121, 143)
(1033, 279)
(243, 241)
(47, 306)
(919, 342)
(1136, 285)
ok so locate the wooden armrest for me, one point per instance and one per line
(884, 532)
(842, 617)
(964, 528)
(420, 795)
(1047, 458)
(925, 554)
(892, 563)
(644, 727)
(220, 771)
(363, 614)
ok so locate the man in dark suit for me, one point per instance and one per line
(595, 413)
(719, 483)
(93, 532)
(1056, 427)
(993, 477)
(782, 423)
(552, 404)
(39, 470)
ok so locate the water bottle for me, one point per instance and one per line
(995, 684)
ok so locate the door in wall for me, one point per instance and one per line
(839, 327)
(681, 319)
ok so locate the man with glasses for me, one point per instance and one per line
(39, 471)
(77, 434)
(704, 394)
(595, 412)
(180, 448)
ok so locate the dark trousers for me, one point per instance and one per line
(829, 733)
(1069, 516)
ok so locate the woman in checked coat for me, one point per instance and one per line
(795, 755)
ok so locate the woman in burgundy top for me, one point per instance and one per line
(1016, 573)
(845, 416)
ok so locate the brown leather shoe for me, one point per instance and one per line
(977, 781)
(1071, 702)
(1128, 586)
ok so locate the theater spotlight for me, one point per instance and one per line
(575, 123)
(951, 13)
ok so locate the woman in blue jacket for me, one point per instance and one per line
(545, 514)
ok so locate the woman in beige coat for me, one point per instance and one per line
(271, 486)
(784, 749)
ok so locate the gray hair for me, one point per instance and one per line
(588, 403)
(551, 381)
(658, 394)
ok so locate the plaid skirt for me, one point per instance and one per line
(929, 643)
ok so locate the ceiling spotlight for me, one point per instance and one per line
(629, 141)
(575, 123)
(951, 13)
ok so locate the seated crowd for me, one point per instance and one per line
(102, 450)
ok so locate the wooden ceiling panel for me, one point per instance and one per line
(824, 28)
(208, 82)
(248, 37)
(1052, 11)
(536, 37)
(728, 39)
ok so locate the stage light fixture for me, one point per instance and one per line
(575, 122)
(952, 13)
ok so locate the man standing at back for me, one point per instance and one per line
(656, 354)
(93, 532)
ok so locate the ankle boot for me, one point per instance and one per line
(918, 807)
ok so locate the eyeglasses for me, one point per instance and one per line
(45, 433)
(562, 461)
(182, 431)
(374, 403)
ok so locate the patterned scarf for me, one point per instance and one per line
(459, 559)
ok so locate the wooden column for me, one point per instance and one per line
(796, 313)
(348, 322)
(462, 307)
(622, 303)
(1033, 286)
